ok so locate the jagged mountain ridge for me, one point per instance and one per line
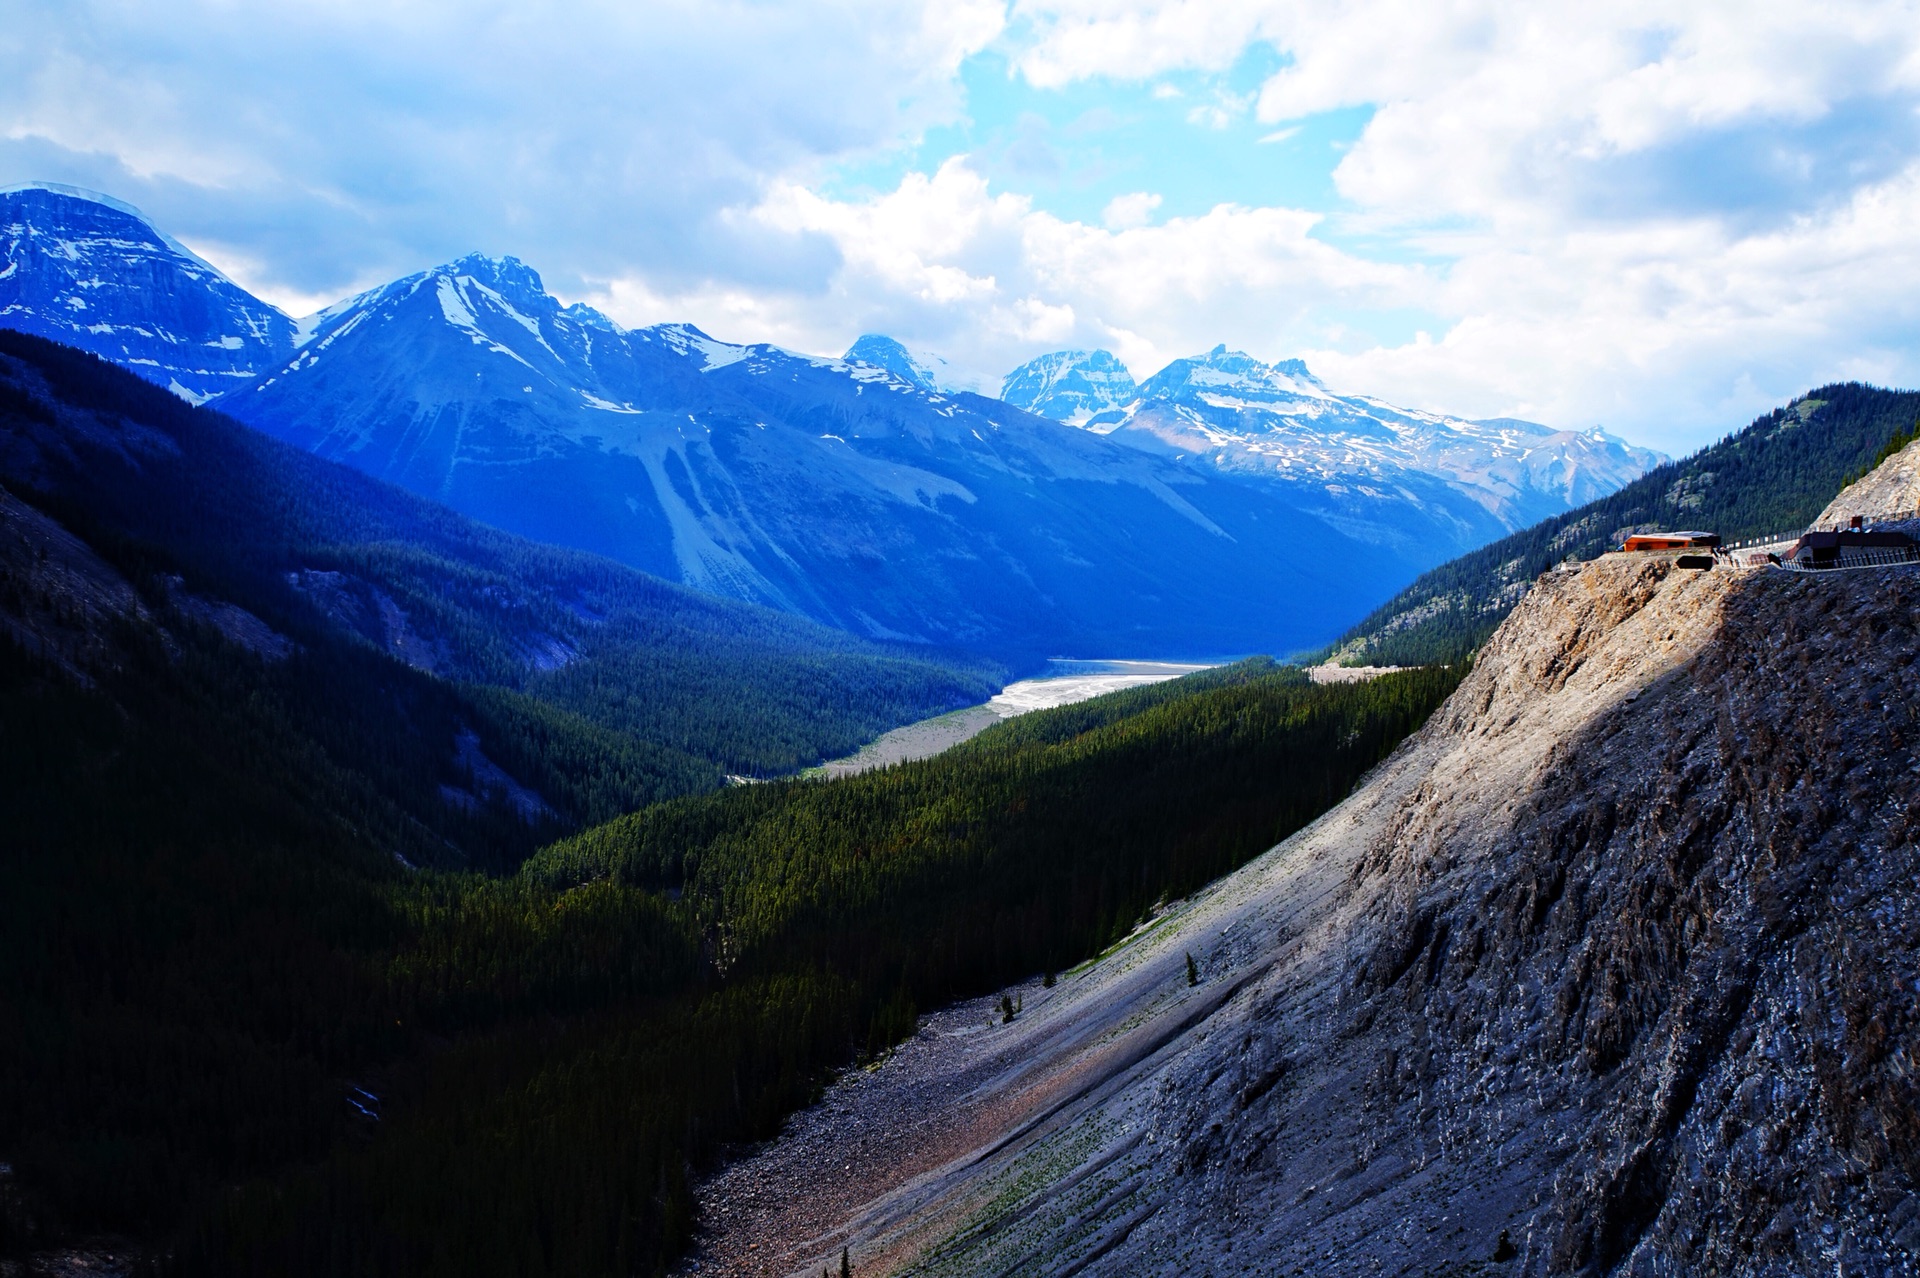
(833, 489)
(1365, 466)
(84, 269)
(866, 493)
(1604, 972)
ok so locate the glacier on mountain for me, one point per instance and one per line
(923, 369)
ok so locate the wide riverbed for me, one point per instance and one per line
(1064, 683)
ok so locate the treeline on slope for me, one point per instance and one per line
(710, 686)
(208, 943)
(1774, 476)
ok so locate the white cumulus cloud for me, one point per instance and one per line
(317, 147)
(1661, 218)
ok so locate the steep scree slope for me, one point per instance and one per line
(1607, 970)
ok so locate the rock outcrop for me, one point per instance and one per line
(1610, 969)
(1891, 489)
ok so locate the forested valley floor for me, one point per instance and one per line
(237, 1026)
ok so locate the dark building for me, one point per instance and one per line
(1833, 549)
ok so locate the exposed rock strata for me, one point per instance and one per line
(1610, 969)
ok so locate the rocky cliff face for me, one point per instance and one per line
(1609, 970)
(1893, 488)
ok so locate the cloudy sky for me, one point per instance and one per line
(1661, 218)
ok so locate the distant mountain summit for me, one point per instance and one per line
(1080, 388)
(843, 490)
(1234, 373)
(917, 368)
(1397, 475)
(84, 269)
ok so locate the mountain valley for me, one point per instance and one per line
(418, 858)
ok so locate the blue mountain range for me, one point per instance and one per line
(1222, 507)
(1424, 483)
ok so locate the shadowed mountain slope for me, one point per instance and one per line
(240, 520)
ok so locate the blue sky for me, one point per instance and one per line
(1188, 136)
(1662, 219)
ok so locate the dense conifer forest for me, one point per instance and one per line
(235, 1022)
(369, 899)
(1775, 476)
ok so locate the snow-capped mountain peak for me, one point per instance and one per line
(923, 369)
(1366, 465)
(1224, 372)
(585, 316)
(64, 192)
(88, 270)
(688, 340)
(1081, 388)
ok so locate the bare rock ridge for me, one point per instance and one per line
(1892, 488)
(1608, 970)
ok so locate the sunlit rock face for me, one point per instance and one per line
(1607, 970)
(86, 270)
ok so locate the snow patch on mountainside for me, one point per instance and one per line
(88, 270)
(1371, 463)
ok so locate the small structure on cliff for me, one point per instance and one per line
(1671, 541)
(1851, 546)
